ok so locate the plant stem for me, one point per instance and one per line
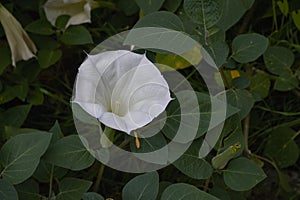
(246, 133)
(99, 177)
(51, 182)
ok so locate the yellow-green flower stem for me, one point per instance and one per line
(221, 160)
(107, 137)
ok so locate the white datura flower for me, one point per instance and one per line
(21, 46)
(122, 89)
(78, 10)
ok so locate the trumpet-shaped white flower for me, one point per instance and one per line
(122, 89)
(78, 10)
(21, 46)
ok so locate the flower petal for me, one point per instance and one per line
(124, 90)
(22, 47)
(78, 10)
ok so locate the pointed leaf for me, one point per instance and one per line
(142, 187)
(69, 153)
(243, 174)
(20, 155)
(72, 188)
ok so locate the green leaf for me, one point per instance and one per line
(282, 148)
(152, 144)
(284, 7)
(149, 6)
(7, 94)
(44, 172)
(278, 60)
(232, 12)
(129, 7)
(286, 83)
(162, 186)
(241, 99)
(296, 18)
(20, 155)
(10, 131)
(161, 19)
(241, 82)
(61, 21)
(206, 12)
(172, 5)
(57, 133)
(243, 174)
(260, 86)
(7, 191)
(218, 51)
(41, 26)
(28, 190)
(248, 47)
(47, 57)
(142, 187)
(15, 116)
(72, 188)
(76, 35)
(204, 103)
(92, 196)
(193, 166)
(185, 191)
(69, 153)
(21, 91)
(5, 60)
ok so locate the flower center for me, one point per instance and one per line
(117, 107)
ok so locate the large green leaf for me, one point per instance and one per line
(15, 116)
(233, 11)
(206, 12)
(149, 6)
(76, 35)
(28, 190)
(7, 191)
(161, 19)
(248, 47)
(282, 147)
(260, 86)
(20, 155)
(243, 174)
(69, 153)
(40, 26)
(142, 187)
(193, 166)
(184, 191)
(278, 60)
(72, 189)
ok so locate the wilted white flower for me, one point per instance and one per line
(78, 10)
(21, 46)
(122, 89)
